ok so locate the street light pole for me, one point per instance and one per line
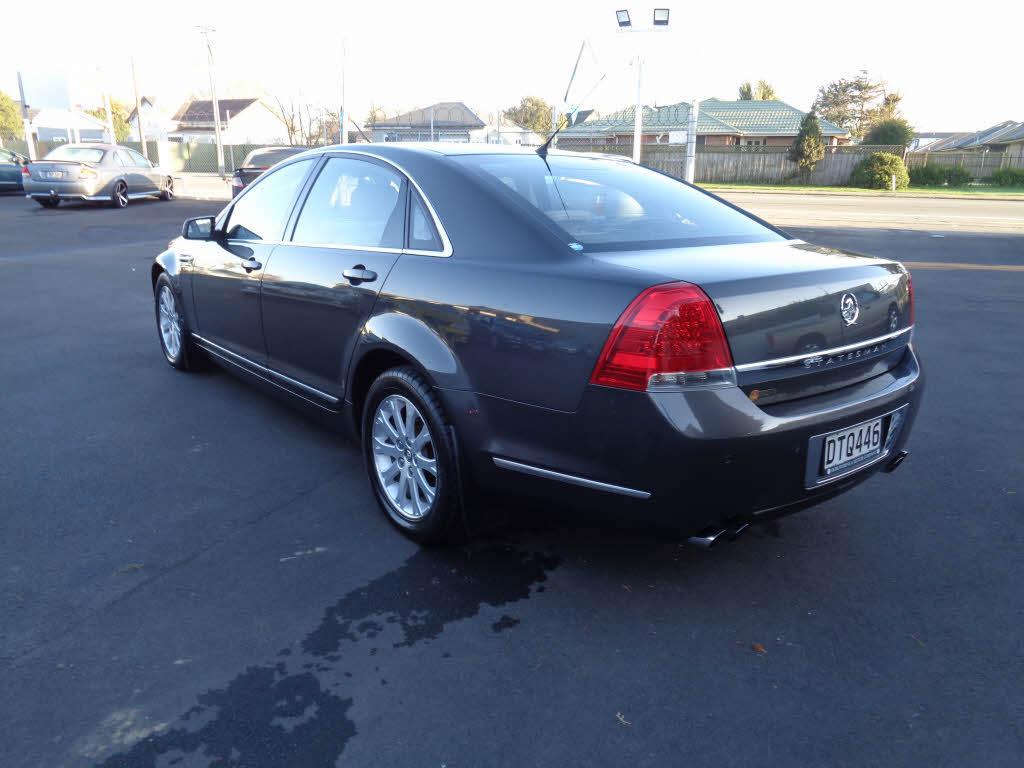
(205, 32)
(138, 112)
(26, 122)
(343, 113)
(691, 141)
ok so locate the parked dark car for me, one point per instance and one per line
(495, 323)
(12, 170)
(95, 173)
(258, 161)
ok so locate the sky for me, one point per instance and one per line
(954, 70)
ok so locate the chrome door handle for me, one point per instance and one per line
(250, 264)
(359, 274)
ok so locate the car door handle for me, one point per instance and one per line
(359, 274)
(250, 264)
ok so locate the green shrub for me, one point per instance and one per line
(957, 176)
(928, 176)
(876, 172)
(1008, 177)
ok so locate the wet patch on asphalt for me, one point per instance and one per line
(293, 711)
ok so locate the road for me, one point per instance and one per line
(933, 214)
(194, 574)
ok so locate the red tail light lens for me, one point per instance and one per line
(25, 171)
(670, 335)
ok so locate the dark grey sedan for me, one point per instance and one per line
(494, 323)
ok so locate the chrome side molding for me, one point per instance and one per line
(529, 469)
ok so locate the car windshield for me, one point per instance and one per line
(613, 205)
(76, 154)
(264, 158)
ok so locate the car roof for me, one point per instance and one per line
(92, 145)
(452, 149)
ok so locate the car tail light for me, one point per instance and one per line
(669, 337)
(25, 171)
(87, 173)
(910, 297)
(236, 181)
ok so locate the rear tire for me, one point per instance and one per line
(47, 202)
(171, 327)
(410, 458)
(167, 193)
(119, 197)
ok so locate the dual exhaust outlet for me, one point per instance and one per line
(716, 533)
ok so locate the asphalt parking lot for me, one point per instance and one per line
(195, 574)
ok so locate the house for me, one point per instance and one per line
(156, 123)
(65, 125)
(242, 121)
(444, 121)
(501, 130)
(1013, 142)
(719, 122)
(995, 138)
(928, 138)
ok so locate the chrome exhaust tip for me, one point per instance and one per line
(707, 538)
(898, 459)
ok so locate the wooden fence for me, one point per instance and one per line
(732, 165)
(980, 164)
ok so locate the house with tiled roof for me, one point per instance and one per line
(719, 122)
(242, 121)
(443, 121)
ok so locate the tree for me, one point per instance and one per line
(808, 147)
(893, 131)
(847, 102)
(763, 91)
(531, 112)
(120, 113)
(10, 118)
(376, 113)
(887, 109)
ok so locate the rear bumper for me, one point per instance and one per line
(687, 459)
(65, 190)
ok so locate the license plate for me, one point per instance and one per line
(851, 447)
(55, 174)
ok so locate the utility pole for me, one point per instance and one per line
(343, 112)
(691, 141)
(110, 116)
(638, 117)
(205, 32)
(138, 112)
(25, 121)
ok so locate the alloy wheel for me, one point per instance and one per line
(170, 323)
(121, 195)
(404, 458)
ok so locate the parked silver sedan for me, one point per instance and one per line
(95, 172)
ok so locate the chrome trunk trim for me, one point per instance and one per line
(779, 362)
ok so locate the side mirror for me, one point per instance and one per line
(200, 228)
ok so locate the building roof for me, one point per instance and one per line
(716, 116)
(446, 114)
(142, 100)
(201, 110)
(995, 135)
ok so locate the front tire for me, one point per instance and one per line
(410, 457)
(171, 327)
(119, 197)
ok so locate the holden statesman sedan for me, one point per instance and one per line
(496, 323)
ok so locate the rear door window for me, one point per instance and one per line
(263, 210)
(353, 203)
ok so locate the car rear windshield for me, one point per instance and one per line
(264, 158)
(76, 154)
(613, 205)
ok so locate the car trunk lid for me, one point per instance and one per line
(46, 170)
(799, 319)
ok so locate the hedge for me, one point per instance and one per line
(877, 169)
(1008, 177)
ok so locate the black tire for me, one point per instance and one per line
(443, 523)
(186, 357)
(119, 197)
(48, 202)
(167, 193)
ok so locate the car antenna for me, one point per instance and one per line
(568, 118)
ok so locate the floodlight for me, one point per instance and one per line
(661, 17)
(623, 18)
